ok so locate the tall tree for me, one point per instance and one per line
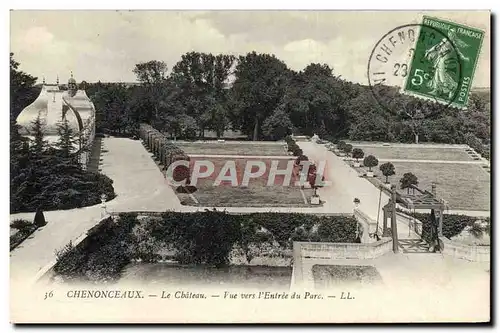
(260, 84)
(117, 113)
(153, 76)
(39, 144)
(315, 100)
(67, 141)
(201, 79)
(22, 90)
(277, 125)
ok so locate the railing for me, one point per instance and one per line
(413, 223)
(367, 226)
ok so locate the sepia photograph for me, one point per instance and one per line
(252, 166)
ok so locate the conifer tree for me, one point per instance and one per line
(38, 145)
(67, 141)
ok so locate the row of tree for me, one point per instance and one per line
(260, 96)
(370, 161)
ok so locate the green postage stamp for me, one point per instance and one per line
(444, 61)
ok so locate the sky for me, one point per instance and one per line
(105, 45)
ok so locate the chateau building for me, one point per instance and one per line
(52, 106)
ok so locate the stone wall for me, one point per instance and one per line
(316, 250)
(307, 254)
(367, 226)
(465, 251)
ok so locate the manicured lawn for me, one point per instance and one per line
(256, 194)
(463, 186)
(443, 154)
(246, 148)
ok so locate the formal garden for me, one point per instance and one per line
(207, 192)
(241, 148)
(209, 238)
(415, 152)
(464, 186)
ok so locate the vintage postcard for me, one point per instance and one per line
(250, 166)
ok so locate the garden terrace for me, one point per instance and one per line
(462, 186)
(256, 194)
(415, 152)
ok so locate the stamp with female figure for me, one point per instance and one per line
(444, 61)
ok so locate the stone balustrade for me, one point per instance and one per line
(465, 251)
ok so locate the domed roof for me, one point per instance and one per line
(71, 79)
(52, 106)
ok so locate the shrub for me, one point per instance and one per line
(300, 159)
(341, 145)
(291, 146)
(25, 229)
(387, 170)
(347, 149)
(180, 173)
(297, 151)
(370, 161)
(341, 230)
(357, 153)
(39, 220)
(453, 224)
(22, 225)
(199, 238)
(103, 254)
(67, 190)
(408, 180)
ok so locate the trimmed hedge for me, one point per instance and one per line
(158, 143)
(195, 238)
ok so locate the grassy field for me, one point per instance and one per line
(256, 194)
(443, 154)
(245, 148)
(463, 186)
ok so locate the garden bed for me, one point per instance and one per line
(20, 230)
(256, 194)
